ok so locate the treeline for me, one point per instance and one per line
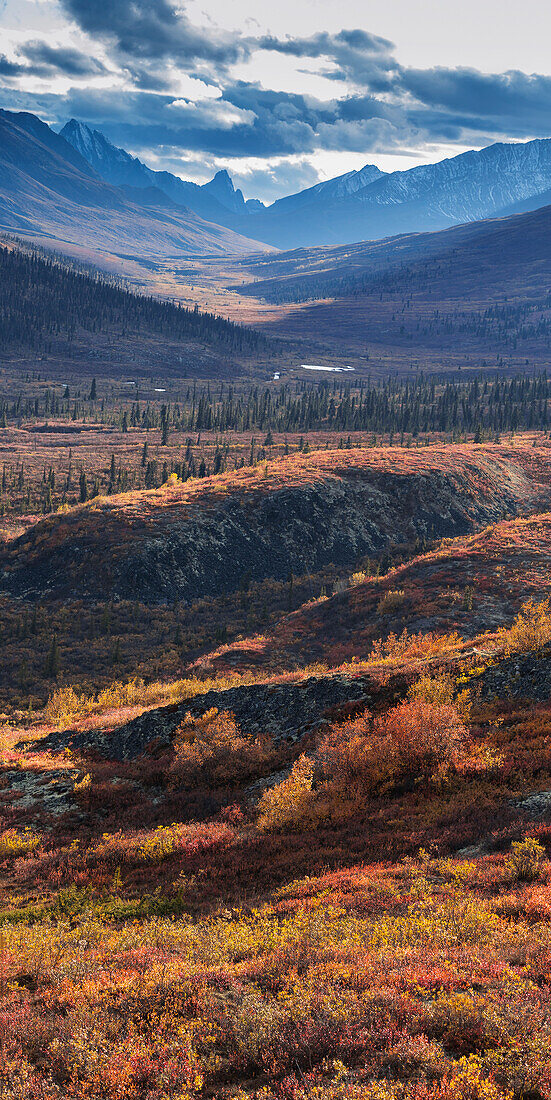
(420, 405)
(41, 301)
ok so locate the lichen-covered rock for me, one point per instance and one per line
(284, 711)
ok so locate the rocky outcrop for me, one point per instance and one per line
(523, 676)
(285, 711)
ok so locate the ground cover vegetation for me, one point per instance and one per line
(312, 862)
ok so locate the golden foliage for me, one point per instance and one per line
(524, 862)
(289, 803)
(211, 749)
(15, 843)
(530, 630)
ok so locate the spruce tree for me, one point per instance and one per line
(51, 667)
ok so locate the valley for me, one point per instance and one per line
(275, 624)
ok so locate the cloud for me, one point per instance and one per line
(46, 59)
(172, 87)
(10, 68)
(511, 102)
(149, 30)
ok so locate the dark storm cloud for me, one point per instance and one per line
(500, 101)
(151, 30)
(47, 59)
(10, 68)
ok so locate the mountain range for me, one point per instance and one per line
(50, 192)
(77, 190)
(212, 200)
(369, 204)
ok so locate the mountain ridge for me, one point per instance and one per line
(48, 190)
(212, 200)
(366, 204)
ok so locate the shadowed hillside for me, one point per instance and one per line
(473, 585)
(69, 315)
(297, 514)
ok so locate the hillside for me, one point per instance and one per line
(296, 515)
(245, 882)
(48, 190)
(72, 316)
(462, 297)
(473, 584)
(486, 258)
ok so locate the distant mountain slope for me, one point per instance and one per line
(469, 187)
(329, 191)
(47, 189)
(487, 257)
(216, 200)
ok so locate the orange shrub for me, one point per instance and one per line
(427, 737)
(211, 751)
(416, 739)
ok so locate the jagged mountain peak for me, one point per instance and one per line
(222, 186)
(218, 200)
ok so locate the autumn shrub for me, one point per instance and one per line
(463, 1021)
(18, 843)
(391, 601)
(441, 690)
(428, 738)
(469, 1080)
(414, 740)
(63, 705)
(66, 705)
(525, 860)
(211, 750)
(414, 645)
(434, 689)
(357, 578)
(530, 630)
(288, 804)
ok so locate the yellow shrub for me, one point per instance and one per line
(433, 689)
(14, 843)
(161, 843)
(288, 804)
(524, 862)
(470, 1081)
(63, 706)
(211, 750)
(530, 630)
(440, 690)
(357, 578)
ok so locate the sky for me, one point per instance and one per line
(282, 93)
